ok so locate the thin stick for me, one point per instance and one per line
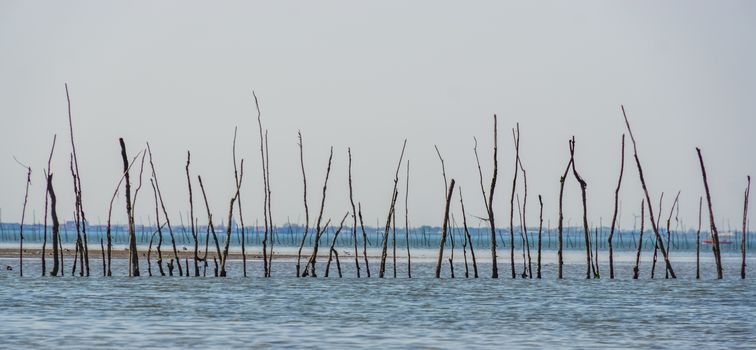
(698, 240)
(134, 257)
(614, 216)
(227, 242)
(406, 224)
(656, 243)
(560, 243)
(191, 213)
(745, 231)
(444, 228)
(669, 231)
(489, 202)
(149, 253)
(714, 232)
(393, 241)
(522, 240)
(540, 229)
(210, 223)
(307, 210)
(23, 216)
(55, 224)
(332, 250)
(654, 226)
(583, 186)
(364, 239)
(159, 230)
(636, 268)
(318, 232)
(102, 250)
(270, 211)
(265, 187)
(165, 212)
(516, 136)
(394, 194)
(77, 178)
(524, 205)
(239, 179)
(495, 269)
(48, 171)
(77, 220)
(467, 234)
(110, 213)
(354, 216)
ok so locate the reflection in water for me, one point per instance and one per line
(404, 313)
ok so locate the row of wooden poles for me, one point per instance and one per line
(309, 269)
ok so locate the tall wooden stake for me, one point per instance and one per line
(636, 268)
(614, 216)
(744, 238)
(443, 230)
(394, 194)
(713, 226)
(307, 210)
(134, 256)
(654, 226)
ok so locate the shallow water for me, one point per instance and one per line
(287, 312)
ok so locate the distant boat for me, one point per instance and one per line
(724, 238)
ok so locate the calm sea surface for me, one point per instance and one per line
(422, 312)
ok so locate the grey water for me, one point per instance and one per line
(421, 312)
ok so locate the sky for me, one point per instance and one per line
(368, 75)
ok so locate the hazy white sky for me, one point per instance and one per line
(367, 75)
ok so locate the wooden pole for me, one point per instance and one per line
(654, 226)
(658, 239)
(614, 216)
(540, 229)
(443, 230)
(698, 240)
(467, 234)
(583, 186)
(713, 226)
(560, 229)
(165, 213)
(636, 268)
(79, 250)
(77, 187)
(159, 230)
(364, 239)
(524, 205)
(227, 242)
(406, 224)
(489, 202)
(332, 249)
(394, 194)
(522, 240)
(191, 213)
(48, 171)
(212, 227)
(239, 177)
(669, 228)
(307, 210)
(55, 225)
(744, 239)
(265, 187)
(270, 211)
(516, 136)
(354, 216)
(318, 231)
(393, 242)
(21, 229)
(134, 256)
